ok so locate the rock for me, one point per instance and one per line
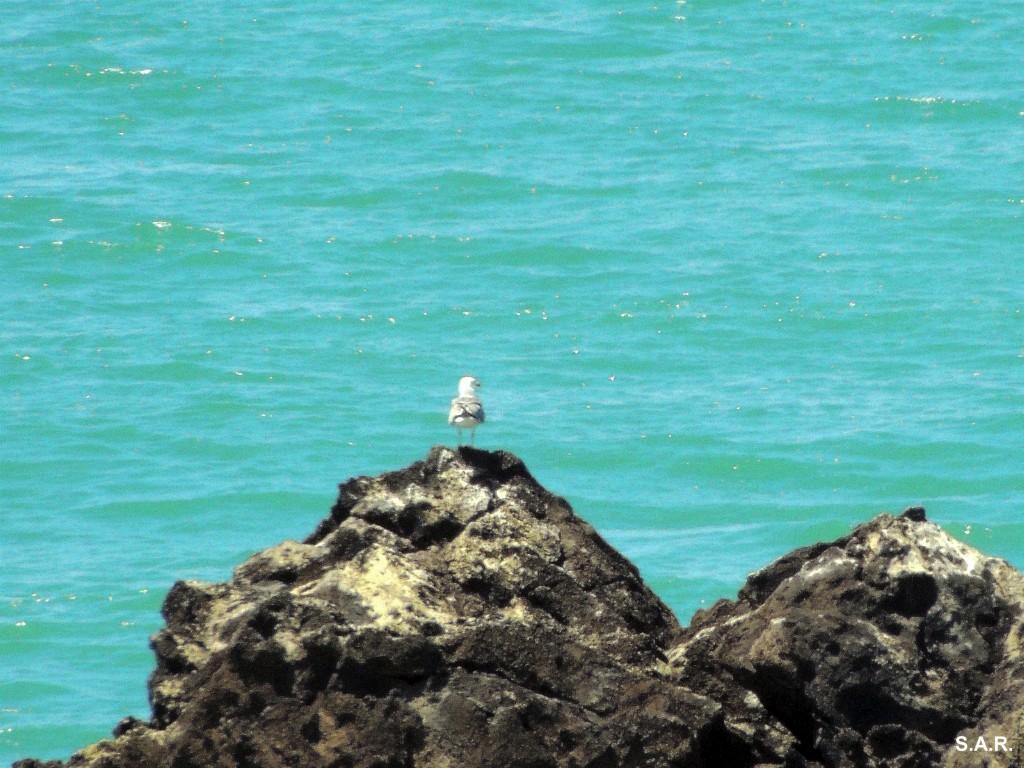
(453, 613)
(457, 614)
(878, 649)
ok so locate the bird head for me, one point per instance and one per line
(466, 385)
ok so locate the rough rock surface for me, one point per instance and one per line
(878, 649)
(453, 613)
(456, 614)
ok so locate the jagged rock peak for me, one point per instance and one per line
(877, 649)
(453, 613)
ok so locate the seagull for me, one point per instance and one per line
(467, 411)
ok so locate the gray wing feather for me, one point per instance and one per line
(466, 406)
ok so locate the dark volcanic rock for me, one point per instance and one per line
(875, 650)
(456, 614)
(453, 613)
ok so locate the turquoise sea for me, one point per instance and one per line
(736, 275)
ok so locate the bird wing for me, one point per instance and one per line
(466, 406)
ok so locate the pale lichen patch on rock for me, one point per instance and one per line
(391, 590)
